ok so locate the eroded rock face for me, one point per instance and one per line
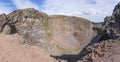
(70, 34)
(58, 34)
(110, 29)
(113, 23)
(30, 23)
(116, 13)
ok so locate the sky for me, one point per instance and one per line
(94, 10)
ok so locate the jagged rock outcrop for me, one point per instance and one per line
(112, 23)
(30, 23)
(3, 21)
(107, 49)
(110, 26)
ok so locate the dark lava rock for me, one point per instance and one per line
(106, 50)
(112, 23)
(3, 21)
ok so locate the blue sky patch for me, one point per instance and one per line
(94, 10)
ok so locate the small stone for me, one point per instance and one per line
(6, 29)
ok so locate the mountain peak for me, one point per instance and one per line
(116, 12)
(28, 12)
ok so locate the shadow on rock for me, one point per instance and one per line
(101, 35)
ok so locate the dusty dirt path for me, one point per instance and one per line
(12, 51)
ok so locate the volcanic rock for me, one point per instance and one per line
(30, 23)
(3, 21)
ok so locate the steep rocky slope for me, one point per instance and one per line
(70, 34)
(58, 34)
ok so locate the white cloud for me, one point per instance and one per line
(20, 4)
(94, 10)
(4, 8)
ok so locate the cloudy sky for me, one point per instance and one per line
(94, 10)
